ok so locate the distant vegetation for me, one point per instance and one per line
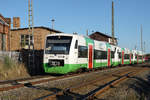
(10, 69)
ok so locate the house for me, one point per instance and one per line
(20, 37)
(5, 24)
(103, 37)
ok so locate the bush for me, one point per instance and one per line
(8, 62)
(10, 69)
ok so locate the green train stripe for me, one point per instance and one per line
(88, 40)
(74, 67)
(64, 69)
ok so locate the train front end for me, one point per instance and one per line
(57, 53)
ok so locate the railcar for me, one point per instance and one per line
(135, 59)
(65, 53)
(140, 57)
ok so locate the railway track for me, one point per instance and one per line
(14, 84)
(114, 79)
(18, 83)
(21, 80)
(110, 84)
(67, 90)
(30, 78)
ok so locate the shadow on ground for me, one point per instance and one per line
(65, 96)
(142, 87)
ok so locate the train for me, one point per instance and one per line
(65, 53)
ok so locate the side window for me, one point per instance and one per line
(125, 56)
(119, 54)
(131, 56)
(25, 40)
(100, 54)
(104, 54)
(112, 54)
(83, 52)
(22, 40)
(140, 57)
(136, 56)
(97, 54)
(3, 46)
(76, 44)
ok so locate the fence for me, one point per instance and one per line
(12, 55)
(36, 67)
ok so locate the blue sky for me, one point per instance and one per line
(95, 15)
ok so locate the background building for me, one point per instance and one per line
(103, 37)
(20, 37)
(5, 25)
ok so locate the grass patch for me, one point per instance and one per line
(10, 69)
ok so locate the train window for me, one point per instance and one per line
(112, 54)
(76, 44)
(131, 56)
(58, 44)
(126, 56)
(104, 54)
(119, 54)
(140, 57)
(100, 54)
(97, 54)
(136, 56)
(83, 52)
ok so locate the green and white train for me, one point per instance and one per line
(65, 53)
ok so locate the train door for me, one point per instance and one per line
(90, 56)
(122, 57)
(117, 56)
(137, 59)
(76, 52)
(142, 59)
(108, 56)
(130, 57)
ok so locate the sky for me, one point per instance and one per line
(92, 15)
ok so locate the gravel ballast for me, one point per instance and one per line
(40, 90)
(134, 88)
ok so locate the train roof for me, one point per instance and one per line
(68, 34)
(65, 34)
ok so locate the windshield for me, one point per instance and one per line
(58, 44)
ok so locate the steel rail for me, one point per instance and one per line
(21, 79)
(77, 86)
(16, 83)
(112, 83)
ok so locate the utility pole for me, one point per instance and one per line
(113, 22)
(141, 39)
(31, 35)
(30, 23)
(87, 32)
(135, 47)
(52, 23)
(144, 47)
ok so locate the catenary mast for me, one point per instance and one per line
(113, 42)
(31, 34)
